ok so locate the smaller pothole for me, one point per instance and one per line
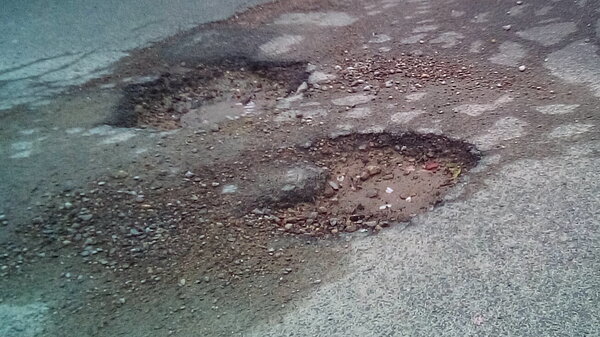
(368, 182)
(203, 96)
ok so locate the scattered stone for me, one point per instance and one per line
(507, 27)
(189, 174)
(522, 68)
(334, 185)
(302, 88)
(372, 193)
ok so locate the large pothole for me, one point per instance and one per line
(203, 96)
(249, 217)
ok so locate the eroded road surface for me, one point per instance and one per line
(316, 168)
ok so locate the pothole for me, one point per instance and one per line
(253, 216)
(361, 181)
(205, 95)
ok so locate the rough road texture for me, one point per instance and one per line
(513, 251)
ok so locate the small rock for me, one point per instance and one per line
(507, 27)
(189, 174)
(522, 68)
(334, 185)
(372, 193)
(288, 226)
(373, 170)
(302, 88)
(519, 2)
(214, 127)
(85, 217)
(371, 224)
(66, 205)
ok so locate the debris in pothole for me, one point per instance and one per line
(206, 95)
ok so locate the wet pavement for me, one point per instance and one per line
(510, 250)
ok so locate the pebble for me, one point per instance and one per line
(189, 174)
(334, 185)
(507, 27)
(288, 226)
(372, 193)
(302, 88)
(522, 68)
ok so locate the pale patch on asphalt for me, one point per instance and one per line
(291, 115)
(481, 18)
(119, 137)
(384, 49)
(320, 77)
(504, 129)
(456, 14)
(286, 103)
(510, 54)
(22, 321)
(29, 132)
(229, 189)
(21, 149)
(434, 130)
(557, 109)
(518, 9)
(543, 11)
(478, 109)
(281, 44)
(486, 162)
(404, 117)
(380, 38)
(425, 28)
(353, 100)
(549, 34)
(115, 135)
(415, 96)
(103, 130)
(448, 39)
(425, 21)
(372, 13)
(325, 19)
(359, 113)
(413, 39)
(476, 46)
(373, 129)
(570, 130)
(73, 131)
(577, 63)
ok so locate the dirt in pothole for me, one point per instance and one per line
(201, 96)
(256, 226)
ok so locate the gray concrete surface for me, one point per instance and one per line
(515, 252)
(47, 46)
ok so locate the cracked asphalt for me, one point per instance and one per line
(514, 250)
